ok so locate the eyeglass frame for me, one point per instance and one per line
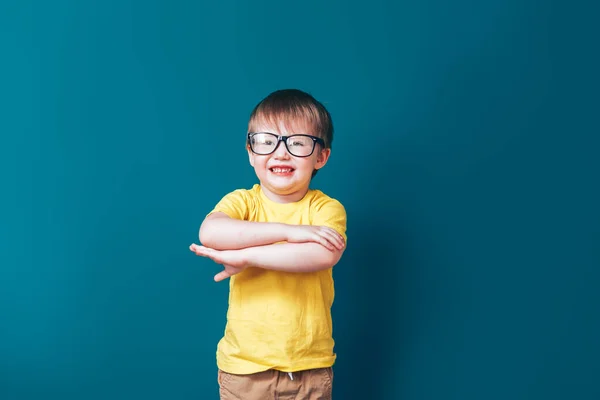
(282, 138)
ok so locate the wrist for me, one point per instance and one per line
(245, 256)
(285, 231)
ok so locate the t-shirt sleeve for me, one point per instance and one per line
(234, 205)
(333, 215)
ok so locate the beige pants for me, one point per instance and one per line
(312, 384)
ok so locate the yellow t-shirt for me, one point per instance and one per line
(279, 320)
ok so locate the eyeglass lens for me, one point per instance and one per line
(265, 143)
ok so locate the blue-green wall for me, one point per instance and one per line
(465, 152)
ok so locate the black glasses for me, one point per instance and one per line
(264, 143)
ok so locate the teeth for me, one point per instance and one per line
(280, 170)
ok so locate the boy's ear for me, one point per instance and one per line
(322, 158)
(250, 156)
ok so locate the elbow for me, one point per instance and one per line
(332, 258)
(209, 237)
(212, 234)
(205, 236)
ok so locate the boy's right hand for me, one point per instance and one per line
(323, 235)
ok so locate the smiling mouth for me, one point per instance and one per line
(281, 170)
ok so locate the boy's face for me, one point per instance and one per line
(282, 174)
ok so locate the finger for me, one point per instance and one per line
(333, 239)
(197, 248)
(322, 240)
(338, 239)
(216, 258)
(333, 243)
(200, 250)
(333, 231)
(221, 276)
(213, 254)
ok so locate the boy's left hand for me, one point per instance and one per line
(232, 260)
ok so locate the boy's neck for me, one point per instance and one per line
(284, 198)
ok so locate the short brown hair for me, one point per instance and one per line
(293, 106)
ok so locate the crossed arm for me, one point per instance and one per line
(239, 244)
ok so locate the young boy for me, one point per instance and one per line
(278, 242)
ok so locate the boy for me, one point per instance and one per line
(278, 242)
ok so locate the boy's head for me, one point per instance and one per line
(285, 166)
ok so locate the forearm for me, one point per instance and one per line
(233, 234)
(291, 257)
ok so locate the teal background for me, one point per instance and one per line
(465, 153)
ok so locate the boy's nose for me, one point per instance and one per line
(281, 151)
